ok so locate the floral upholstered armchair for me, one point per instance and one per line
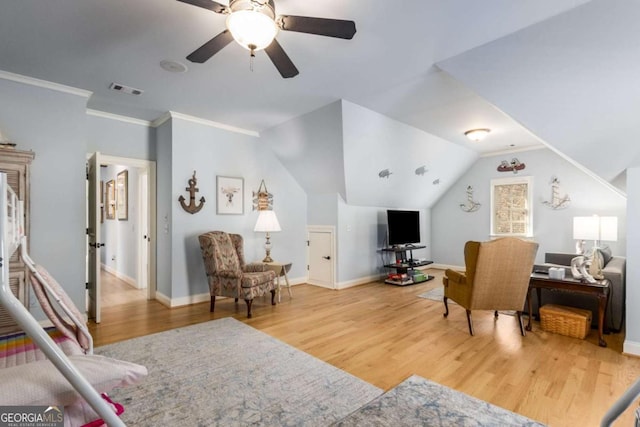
(227, 273)
(496, 277)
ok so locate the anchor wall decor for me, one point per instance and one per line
(192, 207)
(262, 199)
(470, 205)
(556, 201)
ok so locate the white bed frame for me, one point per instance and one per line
(12, 237)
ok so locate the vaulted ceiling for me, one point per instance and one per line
(556, 72)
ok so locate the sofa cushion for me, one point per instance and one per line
(606, 254)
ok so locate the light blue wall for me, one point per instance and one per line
(119, 138)
(632, 323)
(53, 125)
(553, 229)
(164, 204)
(373, 143)
(310, 147)
(212, 152)
(322, 209)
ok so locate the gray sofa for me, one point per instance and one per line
(614, 270)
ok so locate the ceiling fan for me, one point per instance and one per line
(254, 25)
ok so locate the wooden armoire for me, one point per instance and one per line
(16, 164)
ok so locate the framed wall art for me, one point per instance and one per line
(512, 207)
(229, 195)
(111, 199)
(122, 187)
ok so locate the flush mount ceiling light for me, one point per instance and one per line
(254, 25)
(477, 135)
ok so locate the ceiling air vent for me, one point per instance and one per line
(125, 89)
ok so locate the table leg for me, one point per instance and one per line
(602, 307)
(278, 284)
(528, 328)
(286, 279)
(539, 292)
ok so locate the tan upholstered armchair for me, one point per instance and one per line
(227, 273)
(496, 278)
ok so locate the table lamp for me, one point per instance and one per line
(267, 223)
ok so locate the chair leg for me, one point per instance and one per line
(524, 334)
(249, 302)
(470, 322)
(213, 303)
(236, 299)
(495, 313)
(446, 307)
(273, 297)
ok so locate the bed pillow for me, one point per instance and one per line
(40, 383)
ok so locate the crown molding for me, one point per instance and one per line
(31, 81)
(118, 117)
(174, 115)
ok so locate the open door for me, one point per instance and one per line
(93, 232)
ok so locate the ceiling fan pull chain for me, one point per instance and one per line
(253, 55)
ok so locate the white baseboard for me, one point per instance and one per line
(128, 280)
(631, 348)
(182, 301)
(359, 281)
(445, 266)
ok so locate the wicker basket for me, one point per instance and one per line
(569, 321)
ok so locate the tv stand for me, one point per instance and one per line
(405, 266)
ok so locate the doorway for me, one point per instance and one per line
(121, 228)
(321, 256)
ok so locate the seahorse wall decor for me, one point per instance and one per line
(556, 201)
(192, 207)
(470, 205)
(262, 199)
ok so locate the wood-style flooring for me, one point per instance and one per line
(383, 334)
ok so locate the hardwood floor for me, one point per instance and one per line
(383, 334)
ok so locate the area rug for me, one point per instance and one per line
(225, 373)
(435, 294)
(420, 402)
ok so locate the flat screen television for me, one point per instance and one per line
(403, 227)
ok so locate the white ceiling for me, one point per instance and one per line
(389, 66)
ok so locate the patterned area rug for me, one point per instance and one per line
(225, 373)
(420, 402)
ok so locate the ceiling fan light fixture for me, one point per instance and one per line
(477, 135)
(252, 29)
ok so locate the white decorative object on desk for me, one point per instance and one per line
(556, 273)
(579, 267)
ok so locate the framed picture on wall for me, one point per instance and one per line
(111, 199)
(512, 207)
(122, 187)
(229, 195)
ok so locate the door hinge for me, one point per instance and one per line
(307, 267)
(308, 243)
(86, 285)
(86, 231)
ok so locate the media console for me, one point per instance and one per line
(405, 266)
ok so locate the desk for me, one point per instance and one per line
(599, 289)
(281, 269)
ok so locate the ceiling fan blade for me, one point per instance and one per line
(208, 4)
(281, 60)
(211, 47)
(320, 26)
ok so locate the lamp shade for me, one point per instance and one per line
(595, 228)
(585, 228)
(609, 228)
(267, 222)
